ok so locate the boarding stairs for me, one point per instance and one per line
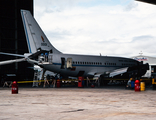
(36, 78)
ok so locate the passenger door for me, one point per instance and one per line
(69, 63)
(62, 63)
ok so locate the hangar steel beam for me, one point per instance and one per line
(148, 1)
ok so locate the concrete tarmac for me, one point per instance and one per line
(77, 104)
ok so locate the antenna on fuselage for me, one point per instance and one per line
(141, 53)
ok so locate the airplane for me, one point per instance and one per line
(45, 55)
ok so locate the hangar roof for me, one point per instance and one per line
(145, 59)
(148, 1)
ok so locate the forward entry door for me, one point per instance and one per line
(69, 63)
(62, 63)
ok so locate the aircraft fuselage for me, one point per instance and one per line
(85, 65)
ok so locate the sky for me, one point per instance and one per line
(92, 27)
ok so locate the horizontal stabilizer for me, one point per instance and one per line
(118, 71)
(12, 61)
(11, 54)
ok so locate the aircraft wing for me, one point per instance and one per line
(110, 73)
(139, 70)
(118, 71)
(97, 75)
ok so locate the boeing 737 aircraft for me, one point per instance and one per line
(45, 55)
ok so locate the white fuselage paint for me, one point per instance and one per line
(87, 63)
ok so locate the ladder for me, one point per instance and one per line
(35, 79)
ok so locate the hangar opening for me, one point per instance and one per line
(12, 38)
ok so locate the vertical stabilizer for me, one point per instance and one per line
(36, 39)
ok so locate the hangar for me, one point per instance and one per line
(148, 1)
(152, 64)
(147, 59)
(12, 37)
(12, 32)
